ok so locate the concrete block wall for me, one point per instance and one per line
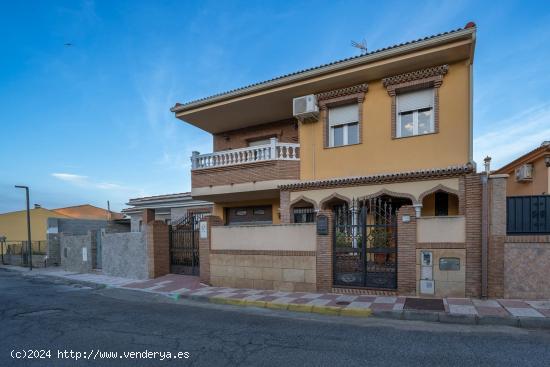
(125, 255)
(281, 270)
(76, 253)
(57, 226)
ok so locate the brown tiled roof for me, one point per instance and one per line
(179, 105)
(526, 158)
(87, 211)
(451, 171)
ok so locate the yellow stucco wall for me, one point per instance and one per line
(13, 225)
(378, 152)
(219, 208)
(538, 186)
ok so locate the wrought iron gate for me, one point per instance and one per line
(184, 245)
(365, 245)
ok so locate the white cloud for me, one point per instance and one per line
(86, 182)
(70, 177)
(514, 136)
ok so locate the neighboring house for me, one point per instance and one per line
(530, 173)
(376, 140)
(88, 211)
(13, 225)
(167, 208)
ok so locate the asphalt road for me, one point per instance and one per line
(39, 313)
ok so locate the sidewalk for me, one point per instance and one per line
(521, 313)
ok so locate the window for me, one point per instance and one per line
(441, 203)
(415, 113)
(304, 215)
(343, 124)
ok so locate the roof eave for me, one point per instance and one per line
(392, 52)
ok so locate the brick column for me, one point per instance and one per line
(158, 248)
(406, 251)
(497, 235)
(148, 216)
(324, 255)
(472, 211)
(205, 245)
(284, 207)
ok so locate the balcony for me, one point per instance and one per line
(272, 151)
(236, 173)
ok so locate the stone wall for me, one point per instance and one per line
(76, 253)
(285, 270)
(125, 255)
(526, 265)
(57, 226)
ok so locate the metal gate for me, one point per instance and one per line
(184, 245)
(365, 244)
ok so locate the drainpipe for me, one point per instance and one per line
(485, 227)
(547, 163)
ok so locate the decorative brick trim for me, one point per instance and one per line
(339, 97)
(306, 199)
(406, 251)
(415, 75)
(439, 187)
(528, 239)
(333, 196)
(435, 173)
(324, 255)
(363, 291)
(263, 252)
(438, 245)
(390, 193)
(420, 79)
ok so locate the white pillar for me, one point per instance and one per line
(417, 209)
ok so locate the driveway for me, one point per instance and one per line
(42, 313)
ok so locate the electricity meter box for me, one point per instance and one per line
(427, 285)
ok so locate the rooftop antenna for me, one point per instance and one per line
(362, 45)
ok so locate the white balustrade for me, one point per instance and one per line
(272, 151)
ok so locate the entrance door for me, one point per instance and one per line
(184, 245)
(365, 245)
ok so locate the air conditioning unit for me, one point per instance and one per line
(305, 108)
(524, 173)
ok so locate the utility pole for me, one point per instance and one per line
(28, 223)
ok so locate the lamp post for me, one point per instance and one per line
(28, 223)
(2, 241)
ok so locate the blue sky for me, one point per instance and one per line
(91, 122)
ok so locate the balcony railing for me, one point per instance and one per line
(272, 151)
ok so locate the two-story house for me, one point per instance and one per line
(358, 138)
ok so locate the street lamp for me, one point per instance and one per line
(28, 222)
(2, 241)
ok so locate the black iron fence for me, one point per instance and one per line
(528, 214)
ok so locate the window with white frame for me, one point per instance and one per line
(415, 113)
(343, 125)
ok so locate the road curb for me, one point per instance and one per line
(323, 310)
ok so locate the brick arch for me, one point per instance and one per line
(390, 193)
(439, 187)
(306, 199)
(334, 196)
